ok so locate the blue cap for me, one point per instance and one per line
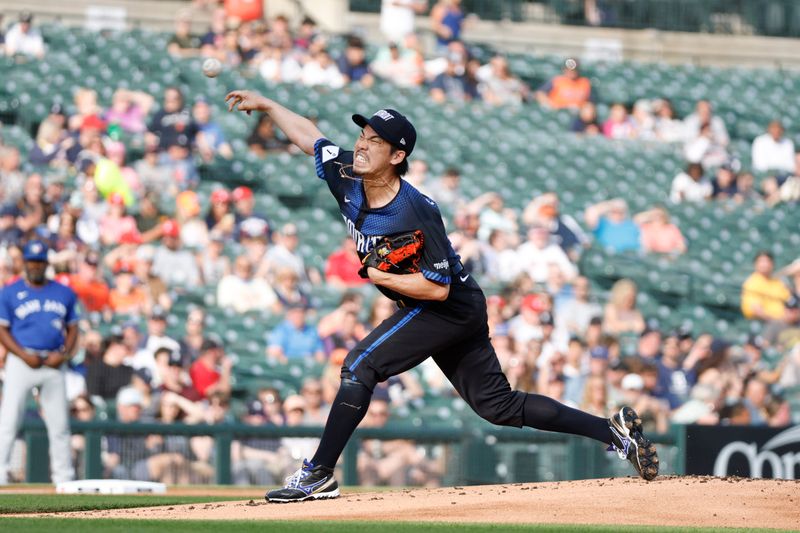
(599, 352)
(35, 251)
(391, 126)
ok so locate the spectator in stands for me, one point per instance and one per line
(242, 292)
(285, 255)
(89, 285)
(210, 138)
(417, 175)
(586, 122)
(316, 409)
(658, 234)
(116, 222)
(691, 185)
(620, 314)
(398, 17)
(498, 86)
(51, 146)
(295, 338)
(569, 90)
(493, 215)
(10, 234)
(255, 458)
(87, 111)
(446, 190)
(452, 85)
(723, 187)
(153, 175)
(182, 43)
(667, 127)
(344, 338)
(393, 462)
(704, 116)
(172, 125)
(537, 254)
(156, 337)
(139, 457)
(129, 110)
(278, 66)
(619, 125)
(612, 227)
(307, 33)
(262, 140)
(219, 216)
(745, 189)
(447, 20)
(244, 203)
(105, 377)
(192, 341)
(213, 263)
(465, 241)
(564, 230)
(783, 188)
(575, 313)
(320, 70)
(526, 326)
(211, 372)
(211, 41)
(24, 39)
(595, 396)
(401, 64)
(342, 266)
(764, 296)
(194, 231)
(127, 298)
(353, 63)
(11, 175)
(772, 151)
(174, 265)
(644, 123)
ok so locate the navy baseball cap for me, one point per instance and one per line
(391, 126)
(35, 251)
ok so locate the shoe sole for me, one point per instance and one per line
(316, 496)
(644, 451)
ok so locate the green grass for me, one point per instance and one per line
(69, 525)
(59, 503)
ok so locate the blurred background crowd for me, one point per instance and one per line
(113, 181)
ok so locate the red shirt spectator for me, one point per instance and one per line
(92, 291)
(206, 379)
(342, 267)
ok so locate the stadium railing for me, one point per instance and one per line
(760, 17)
(480, 454)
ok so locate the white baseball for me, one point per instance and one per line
(212, 67)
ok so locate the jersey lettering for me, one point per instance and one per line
(364, 244)
(34, 306)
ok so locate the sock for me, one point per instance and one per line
(347, 411)
(544, 413)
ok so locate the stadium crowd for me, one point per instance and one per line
(131, 237)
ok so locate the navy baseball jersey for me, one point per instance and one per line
(409, 210)
(37, 316)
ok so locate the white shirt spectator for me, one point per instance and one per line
(535, 260)
(280, 68)
(769, 154)
(176, 267)
(319, 73)
(244, 295)
(685, 189)
(29, 43)
(397, 17)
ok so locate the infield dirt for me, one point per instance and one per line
(667, 501)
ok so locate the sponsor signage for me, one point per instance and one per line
(745, 451)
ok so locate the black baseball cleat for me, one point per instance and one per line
(308, 483)
(630, 443)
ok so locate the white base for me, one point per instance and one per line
(110, 486)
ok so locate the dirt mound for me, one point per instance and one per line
(667, 501)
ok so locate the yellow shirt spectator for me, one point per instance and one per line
(764, 297)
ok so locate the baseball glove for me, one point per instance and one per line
(396, 254)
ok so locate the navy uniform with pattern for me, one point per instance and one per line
(454, 332)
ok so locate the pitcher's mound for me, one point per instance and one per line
(667, 501)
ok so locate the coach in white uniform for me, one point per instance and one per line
(39, 328)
